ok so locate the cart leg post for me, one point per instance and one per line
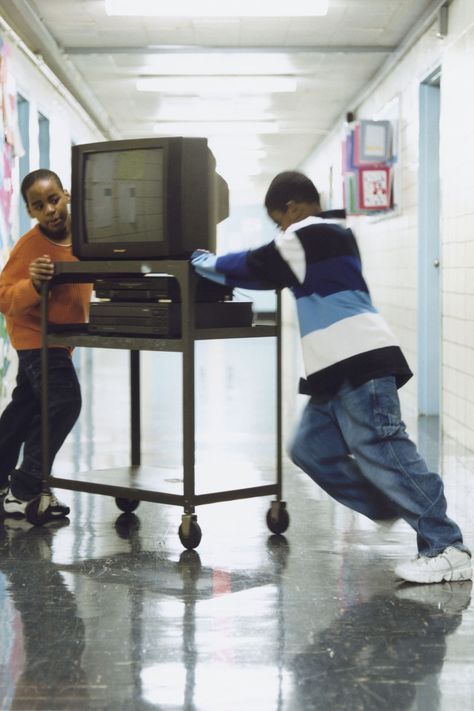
(189, 531)
(44, 385)
(135, 422)
(279, 399)
(37, 507)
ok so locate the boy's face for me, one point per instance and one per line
(293, 212)
(280, 218)
(48, 204)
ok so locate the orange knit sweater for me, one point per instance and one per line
(21, 303)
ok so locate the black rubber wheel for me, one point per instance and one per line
(193, 539)
(279, 524)
(126, 505)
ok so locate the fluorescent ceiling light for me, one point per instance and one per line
(251, 108)
(228, 152)
(217, 8)
(231, 173)
(232, 165)
(231, 161)
(217, 84)
(244, 142)
(213, 128)
(215, 63)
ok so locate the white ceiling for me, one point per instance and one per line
(99, 58)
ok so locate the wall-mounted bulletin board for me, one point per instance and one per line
(10, 149)
(370, 164)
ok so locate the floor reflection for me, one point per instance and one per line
(383, 653)
(172, 624)
(44, 643)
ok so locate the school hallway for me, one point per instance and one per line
(109, 611)
(371, 99)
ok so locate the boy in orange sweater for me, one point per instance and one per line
(31, 262)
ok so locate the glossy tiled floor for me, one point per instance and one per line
(109, 612)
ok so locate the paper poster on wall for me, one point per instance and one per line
(375, 141)
(374, 188)
(369, 164)
(10, 148)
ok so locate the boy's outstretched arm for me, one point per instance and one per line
(261, 268)
(229, 269)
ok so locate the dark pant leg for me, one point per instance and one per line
(15, 424)
(64, 406)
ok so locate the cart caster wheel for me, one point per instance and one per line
(278, 518)
(189, 531)
(126, 505)
(36, 511)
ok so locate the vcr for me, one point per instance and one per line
(164, 319)
(154, 288)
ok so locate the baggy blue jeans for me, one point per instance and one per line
(20, 423)
(356, 448)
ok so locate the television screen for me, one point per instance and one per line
(145, 198)
(124, 196)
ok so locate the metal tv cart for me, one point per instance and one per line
(134, 483)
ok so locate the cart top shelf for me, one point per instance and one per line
(89, 270)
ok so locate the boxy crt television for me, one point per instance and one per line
(145, 198)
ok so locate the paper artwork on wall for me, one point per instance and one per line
(10, 148)
(367, 166)
(374, 188)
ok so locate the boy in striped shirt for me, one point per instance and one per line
(351, 440)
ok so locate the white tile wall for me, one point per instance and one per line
(457, 162)
(389, 246)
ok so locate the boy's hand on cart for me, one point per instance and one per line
(198, 252)
(40, 270)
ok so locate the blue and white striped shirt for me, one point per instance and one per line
(342, 334)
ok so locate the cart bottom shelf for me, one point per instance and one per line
(144, 483)
(132, 484)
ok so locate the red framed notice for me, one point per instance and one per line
(375, 189)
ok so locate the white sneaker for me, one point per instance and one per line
(17, 507)
(14, 506)
(450, 565)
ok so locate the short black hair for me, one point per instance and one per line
(40, 174)
(290, 185)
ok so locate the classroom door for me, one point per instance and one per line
(429, 261)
